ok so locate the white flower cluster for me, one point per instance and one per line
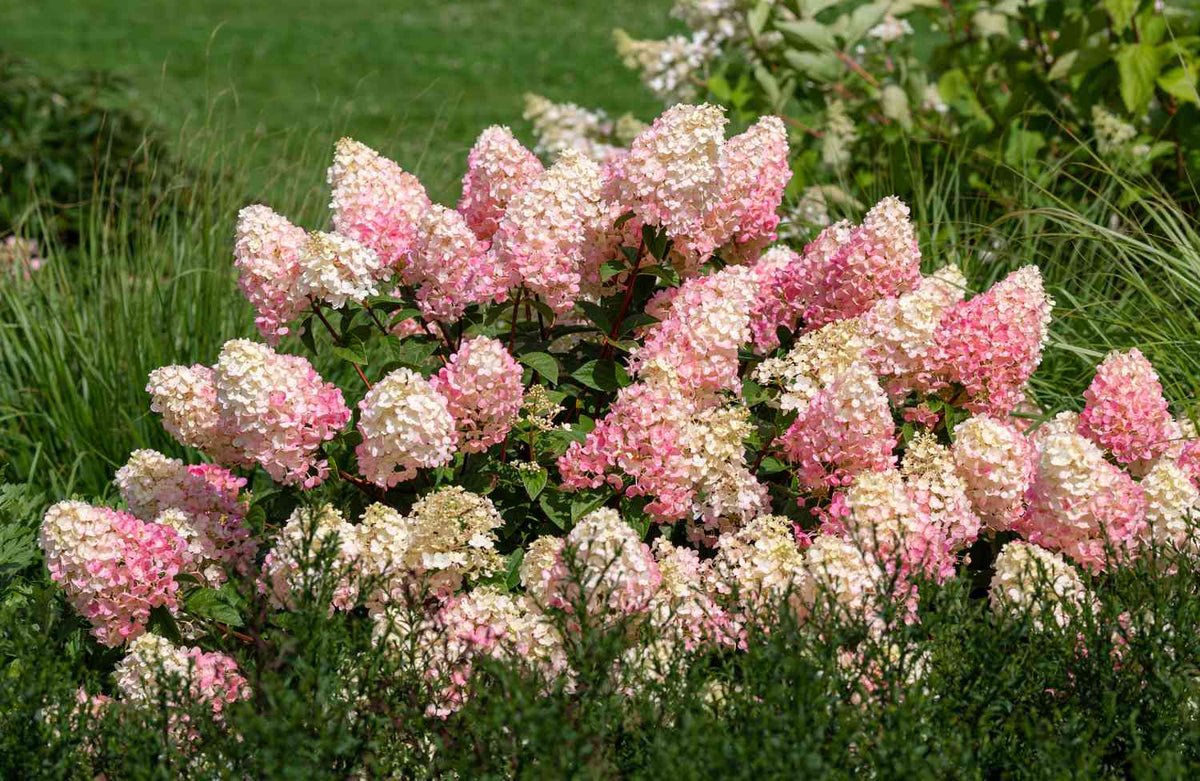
(447, 537)
(335, 269)
(814, 362)
(1031, 580)
(405, 425)
(562, 126)
(292, 567)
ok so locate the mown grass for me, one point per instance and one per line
(416, 80)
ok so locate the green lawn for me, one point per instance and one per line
(417, 80)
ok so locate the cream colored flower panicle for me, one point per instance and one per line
(843, 581)
(815, 360)
(1172, 505)
(449, 536)
(1033, 581)
(335, 269)
(294, 566)
(761, 565)
(406, 425)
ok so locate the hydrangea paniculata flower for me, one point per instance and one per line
(682, 610)
(447, 537)
(845, 429)
(305, 561)
(266, 253)
(335, 269)
(154, 667)
(113, 567)
(672, 176)
(1081, 504)
(843, 581)
(878, 260)
(451, 266)
(279, 410)
(1126, 413)
(406, 425)
(760, 566)
(1033, 581)
(483, 392)
(498, 168)
(375, 202)
(540, 238)
(902, 330)
(991, 344)
(1172, 505)
(186, 398)
(200, 502)
(938, 493)
(607, 562)
(697, 342)
(754, 171)
(997, 466)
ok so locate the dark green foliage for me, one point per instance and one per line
(69, 138)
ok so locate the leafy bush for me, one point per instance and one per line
(590, 473)
(1031, 86)
(67, 138)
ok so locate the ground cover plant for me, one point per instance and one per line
(591, 471)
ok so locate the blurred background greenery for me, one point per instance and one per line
(415, 80)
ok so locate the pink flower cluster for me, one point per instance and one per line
(706, 193)
(200, 502)
(1126, 413)
(992, 343)
(498, 168)
(877, 260)
(266, 253)
(253, 406)
(1081, 504)
(113, 567)
(483, 392)
(153, 667)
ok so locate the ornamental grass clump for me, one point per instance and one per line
(600, 499)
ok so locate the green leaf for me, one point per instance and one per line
(771, 465)
(769, 84)
(218, 605)
(542, 363)
(657, 241)
(534, 480)
(583, 502)
(1181, 83)
(756, 19)
(355, 353)
(861, 20)
(163, 623)
(306, 335)
(611, 268)
(624, 218)
(667, 275)
(557, 507)
(821, 66)
(543, 309)
(1121, 12)
(512, 570)
(809, 31)
(753, 393)
(386, 303)
(596, 314)
(605, 375)
(1022, 146)
(401, 315)
(1138, 65)
(637, 321)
